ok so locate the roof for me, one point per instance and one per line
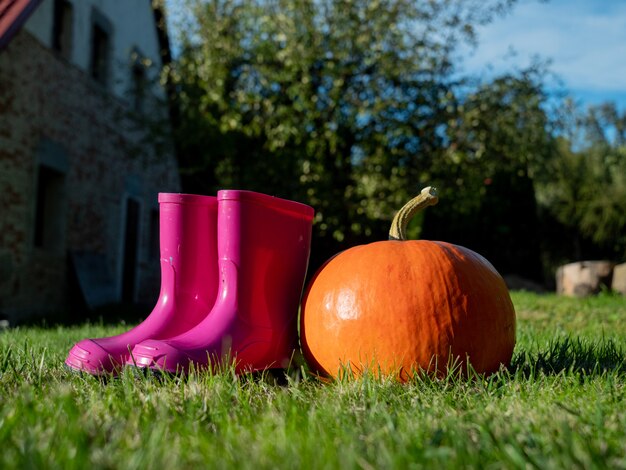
(13, 14)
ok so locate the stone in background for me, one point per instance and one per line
(584, 278)
(619, 279)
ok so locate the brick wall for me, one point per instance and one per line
(52, 112)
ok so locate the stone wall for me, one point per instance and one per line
(53, 115)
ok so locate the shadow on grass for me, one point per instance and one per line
(571, 355)
(112, 314)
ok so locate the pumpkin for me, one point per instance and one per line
(402, 306)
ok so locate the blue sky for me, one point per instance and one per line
(584, 39)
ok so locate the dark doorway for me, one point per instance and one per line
(131, 244)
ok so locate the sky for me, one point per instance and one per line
(585, 40)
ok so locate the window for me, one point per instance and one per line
(139, 87)
(99, 54)
(101, 32)
(49, 214)
(62, 28)
(139, 92)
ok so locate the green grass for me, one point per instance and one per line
(561, 404)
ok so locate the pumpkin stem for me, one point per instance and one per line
(428, 197)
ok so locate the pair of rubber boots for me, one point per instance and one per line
(232, 272)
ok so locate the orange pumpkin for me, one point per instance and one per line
(400, 306)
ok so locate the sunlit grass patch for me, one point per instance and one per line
(560, 404)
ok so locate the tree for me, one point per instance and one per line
(500, 141)
(585, 188)
(339, 103)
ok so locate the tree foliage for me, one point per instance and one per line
(352, 106)
(586, 186)
(343, 104)
(499, 141)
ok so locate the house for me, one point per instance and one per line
(83, 153)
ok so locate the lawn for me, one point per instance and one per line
(561, 404)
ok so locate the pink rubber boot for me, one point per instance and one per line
(189, 283)
(263, 250)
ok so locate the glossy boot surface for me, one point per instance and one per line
(263, 251)
(189, 283)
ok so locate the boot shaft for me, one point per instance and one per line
(188, 240)
(268, 239)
